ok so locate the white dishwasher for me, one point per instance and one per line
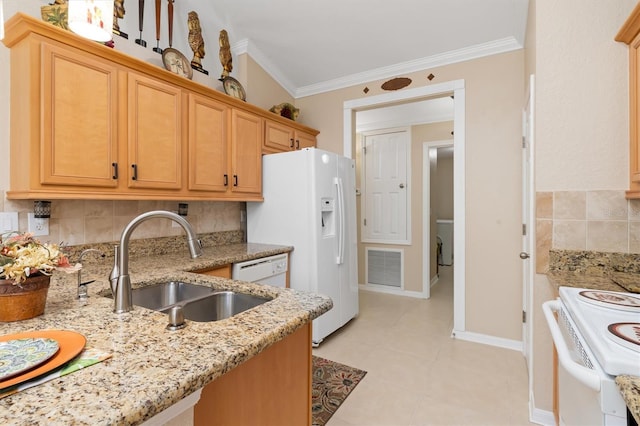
(270, 270)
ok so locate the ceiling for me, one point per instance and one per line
(313, 46)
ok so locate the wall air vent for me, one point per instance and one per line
(384, 267)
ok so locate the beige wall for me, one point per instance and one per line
(444, 190)
(262, 90)
(494, 99)
(581, 141)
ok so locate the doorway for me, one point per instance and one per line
(455, 89)
(437, 199)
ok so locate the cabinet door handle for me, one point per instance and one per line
(115, 170)
(135, 172)
(297, 144)
(226, 179)
(235, 180)
(291, 146)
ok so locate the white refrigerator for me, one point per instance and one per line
(310, 204)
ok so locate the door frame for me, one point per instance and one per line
(529, 218)
(457, 89)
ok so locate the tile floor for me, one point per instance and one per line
(417, 374)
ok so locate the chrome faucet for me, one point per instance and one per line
(82, 286)
(121, 283)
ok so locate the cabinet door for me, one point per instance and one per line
(304, 140)
(79, 119)
(155, 129)
(634, 116)
(208, 145)
(246, 152)
(278, 137)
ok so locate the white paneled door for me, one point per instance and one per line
(385, 177)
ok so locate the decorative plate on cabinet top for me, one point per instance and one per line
(19, 355)
(177, 63)
(232, 87)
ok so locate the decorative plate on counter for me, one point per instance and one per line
(19, 355)
(70, 343)
(611, 300)
(626, 333)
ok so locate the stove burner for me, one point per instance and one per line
(626, 333)
(611, 299)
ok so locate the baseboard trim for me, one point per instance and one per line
(500, 342)
(541, 417)
(435, 280)
(391, 290)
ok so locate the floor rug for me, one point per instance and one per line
(332, 383)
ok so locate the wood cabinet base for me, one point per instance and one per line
(272, 388)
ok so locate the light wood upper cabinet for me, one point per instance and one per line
(281, 138)
(246, 152)
(90, 122)
(155, 133)
(208, 144)
(79, 106)
(630, 34)
(304, 140)
(225, 154)
(278, 137)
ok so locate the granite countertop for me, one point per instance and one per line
(630, 388)
(578, 279)
(152, 368)
(601, 271)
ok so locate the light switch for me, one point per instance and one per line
(8, 222)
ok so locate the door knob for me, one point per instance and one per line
(524, 255)
(402, 185)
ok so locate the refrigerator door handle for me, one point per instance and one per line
(341, 224)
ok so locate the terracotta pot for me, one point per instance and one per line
(24, 301)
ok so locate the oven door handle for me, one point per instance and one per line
(583, 374)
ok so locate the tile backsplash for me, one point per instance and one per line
(601, 221)
(77, 222)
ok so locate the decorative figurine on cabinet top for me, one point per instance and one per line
(118, 13)
(225, 54)
(196, 42)
(286, 110)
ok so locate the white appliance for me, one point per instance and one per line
(309, 203)
(271, 270)
(445, 233)
(597, 337)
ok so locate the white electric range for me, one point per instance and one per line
(597, 337)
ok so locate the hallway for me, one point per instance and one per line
(419, 375)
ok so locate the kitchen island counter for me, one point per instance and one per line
(152, 368)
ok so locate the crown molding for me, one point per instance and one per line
(495, 47)
(245, 46)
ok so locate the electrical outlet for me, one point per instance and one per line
(37, 226)
(175, 224)
(8, 222)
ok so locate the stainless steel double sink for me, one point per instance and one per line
(199, 303)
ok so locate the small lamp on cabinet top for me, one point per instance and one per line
(92, 19)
